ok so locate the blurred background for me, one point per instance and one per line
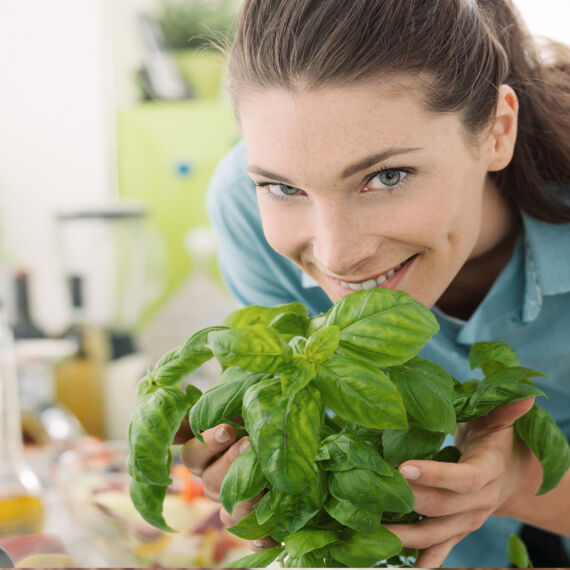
(113, 114)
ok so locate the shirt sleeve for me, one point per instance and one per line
(253, 271)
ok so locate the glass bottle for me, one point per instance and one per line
(21, 508)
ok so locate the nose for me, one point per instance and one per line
(342, 242)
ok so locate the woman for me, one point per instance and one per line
(422, 146)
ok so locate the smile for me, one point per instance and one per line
(376, 281)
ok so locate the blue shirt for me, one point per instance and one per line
(527, 307)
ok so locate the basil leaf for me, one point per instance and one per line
(152, 428)
(263, 508)
(258, 348)
(492, 356)
(383, 326)
(243, 481)
(343, 451)
(250, 529)
(258, 560)
(369, 491)
(258, 315)
(503, 387)
(290, 325)
(303, 541)
(360, 393)
(547, 441)
(353, 517)
(364, 550)
(399, 445)
(427, 391)
(322, 343)
(148, 500)
(178, 363)
(295, 511)
(296, 374)
(284, 432)
(222, 402)
(517, 552)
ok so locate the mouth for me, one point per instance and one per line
(388, 279)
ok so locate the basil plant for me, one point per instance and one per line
(332, 405)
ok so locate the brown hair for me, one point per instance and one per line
(467, 47)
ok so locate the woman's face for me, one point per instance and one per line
(363, 187)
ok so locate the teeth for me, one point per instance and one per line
(371, 283)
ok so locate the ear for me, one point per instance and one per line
(504, 130)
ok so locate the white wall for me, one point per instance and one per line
(56, 131)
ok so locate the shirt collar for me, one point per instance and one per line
(547, 263)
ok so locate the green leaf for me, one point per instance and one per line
(364, 550)
(250, 529)
(243, 481)
(427, 391)
(223, 402)
(148, 500)
(399, 445)
(258, 560)
(547, 441)
(505, 386)
(296, 374)
(360, 393)
(517, 552)
(322, 343)
(295, 511)
(256, 314)
(152, 428)
(193, 394)
(263, 508)
(343, 451)
(492, 356)
(381, 325)
(284, 432)
(258, 348)
(369, 491)
(289, 325)
(353, 517)
(177, 364)
(307, 540)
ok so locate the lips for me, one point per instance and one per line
(388, 279)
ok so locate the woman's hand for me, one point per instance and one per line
(495, 471)
(211, 462)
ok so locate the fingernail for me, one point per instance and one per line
(222, 435)
(410, 472)
(259, 543)
(244, 445)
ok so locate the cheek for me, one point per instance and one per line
(283, 229)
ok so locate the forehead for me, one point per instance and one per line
(328, 125)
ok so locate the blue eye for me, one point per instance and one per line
(387, 178)
(281, 190)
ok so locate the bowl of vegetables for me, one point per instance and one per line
(95, 484)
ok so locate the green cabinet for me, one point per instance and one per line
(166, 155)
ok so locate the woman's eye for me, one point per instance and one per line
(281, 190)
(387, 179)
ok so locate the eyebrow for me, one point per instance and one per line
(363, 164)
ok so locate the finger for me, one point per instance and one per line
(184, 432)
(214, 474)
(262, 543)
(196, 455)
(435, 556)
(433, 502)
(433, 531)
(463, 477)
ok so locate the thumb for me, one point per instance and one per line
(505, 416)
